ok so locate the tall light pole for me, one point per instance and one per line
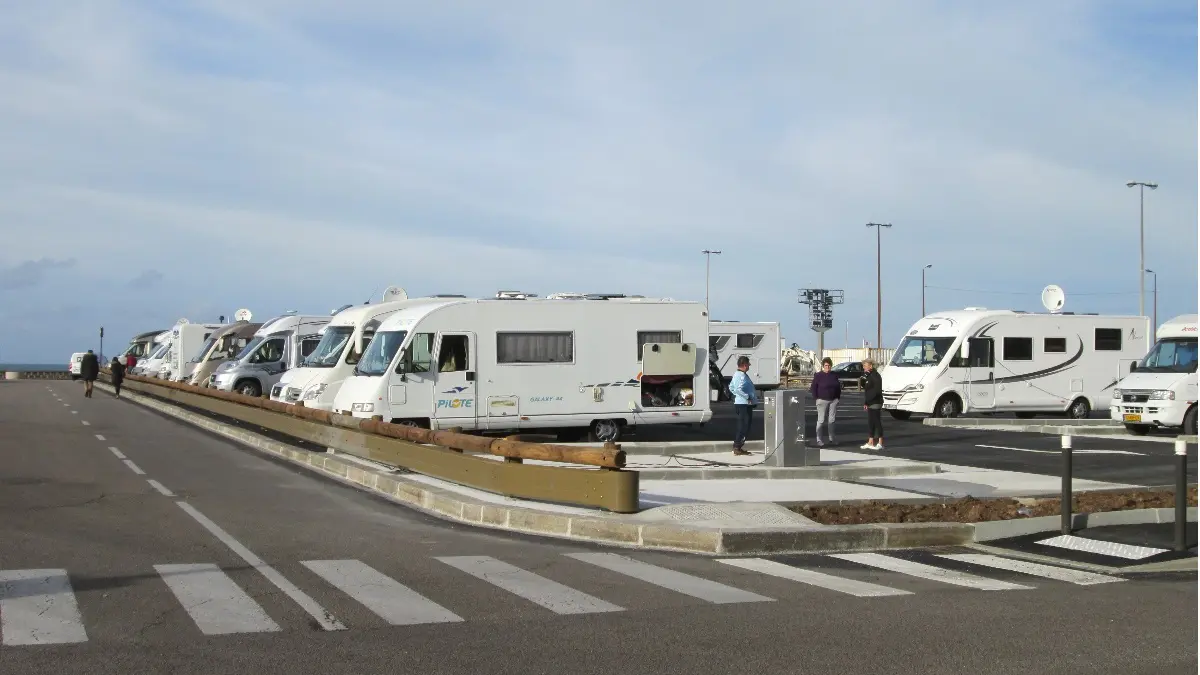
(1142, 241)
(923, 289)
(707, 257)
(1154, 325)
(878, 284)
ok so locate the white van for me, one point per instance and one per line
(759, 341)
(280, 345)
(992, 361)
(516, 364)
(1161, 389)
(75, 365)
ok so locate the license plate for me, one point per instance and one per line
(889, 406)
(1133, 418)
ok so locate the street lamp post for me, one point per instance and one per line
(878, 284)
(707, 258)
(1154, 324)
(1142, 241)
(923, 289)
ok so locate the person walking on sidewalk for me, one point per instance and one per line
(118, 374)
(744, 400)
(827, 392)
(873, 404)
(89, 370)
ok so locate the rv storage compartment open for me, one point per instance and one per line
(668, 374)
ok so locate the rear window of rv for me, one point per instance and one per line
(1018, 349)
(645, 337)
(535, 347)
(1055, 345)
(1108, 339)
(748, 340)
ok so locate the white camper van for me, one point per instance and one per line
(142, 344)
(150, 365)
(1160, 391)
(187, 341)
(279, 345)
(516, 364)
(221, 346)
(343, 340)
(992, 361)
(759, 341)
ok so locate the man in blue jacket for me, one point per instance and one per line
(744, 400)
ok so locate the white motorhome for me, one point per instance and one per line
(343, 340)
(1160, 391)
(187, 341)
(759, 341)
(279, 345)
(150, 365)
(142, 344)
(516, 364)
(221, 346)
(992, 361)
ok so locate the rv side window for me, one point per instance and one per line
(981, 355)
(716, 343)
(1018, 349)
(308, 346)
(1108, 339)
(270, 352)
(1055, 345)
(535, 347)
(646, 337)
(453, 356)
(748, 340)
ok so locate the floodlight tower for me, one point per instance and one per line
(820, 303)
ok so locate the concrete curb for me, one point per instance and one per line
(837, 472)
(1080, 428)
(1003, 529)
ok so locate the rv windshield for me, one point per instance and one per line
(330, 348)
(1174, 355)
(249, 347)
(203, 350)
(922, 351)
(161, 352)
(380, 352)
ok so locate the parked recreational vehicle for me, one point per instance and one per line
(222, 345)
(187, 341)
(1161, 389)
(978, 360)
(281, 344)
(142, 344)
(149, 366)
(343, 340)
(515, 364)
(729, 340)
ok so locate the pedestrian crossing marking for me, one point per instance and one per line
(861, 589)
(679, 582)
(534, 588)
(389, 599)
(216, 604)
(929, 572)
(38, 607)
(1078, 577)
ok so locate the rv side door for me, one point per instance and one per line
(456, 382)
(981, 374)
(411, 386)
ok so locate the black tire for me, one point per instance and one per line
(947, 406)
(900, 414)
(248, 387)
(1138, 429)
(1080, 409)
(605, 431)
(1189, 422)
(1025, 415)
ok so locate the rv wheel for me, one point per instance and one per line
(249, 388)
(1080, 409)
(605, 431)
(948, 406)
(1189, 422)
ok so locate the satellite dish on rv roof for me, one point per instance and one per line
(181, 322)
(242, 315)
(1053, 298)
(392, 293)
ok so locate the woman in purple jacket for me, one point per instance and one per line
(827, 391)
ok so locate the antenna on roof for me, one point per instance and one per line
(1053, 298)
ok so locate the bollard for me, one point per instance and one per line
(1180, 495)
(1066, 484)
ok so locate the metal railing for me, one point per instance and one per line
(599, 479)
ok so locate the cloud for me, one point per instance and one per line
(30, 273)
(284, 155)
(145, 280)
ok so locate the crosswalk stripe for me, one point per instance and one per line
(860, 589)
(215, 603)
(537, 589)
(670, 579)
(38, 607)
(392, 601)
(930, 572)
(1025, 567)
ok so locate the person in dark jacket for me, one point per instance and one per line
(872, 383)
(118, 374)
(827, 392)
(89, 370)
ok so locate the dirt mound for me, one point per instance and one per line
(972, 510)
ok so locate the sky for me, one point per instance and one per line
(186, 158)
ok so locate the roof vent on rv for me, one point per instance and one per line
(566, 296)
(447, 295)
(604, 296)
(514, 295)
(1053, 298)
(974, 309)
(339, 309)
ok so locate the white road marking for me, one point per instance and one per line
(930, 572)
(392, 601)
(74, 412)
(853, 587)
(215, 603)
(540, 590)
(1078, 577)
(1074, 543)
(38, 607)
(136, 469)
(100, 438)
(87, 423)
(323, 617)
(1076, 451)
(160, 487)
(116, 452)
(670, 579)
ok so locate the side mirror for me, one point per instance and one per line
(1132, 366)
(965, 350)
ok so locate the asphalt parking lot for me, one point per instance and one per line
(1117, 460)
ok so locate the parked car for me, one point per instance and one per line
(849, 373)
